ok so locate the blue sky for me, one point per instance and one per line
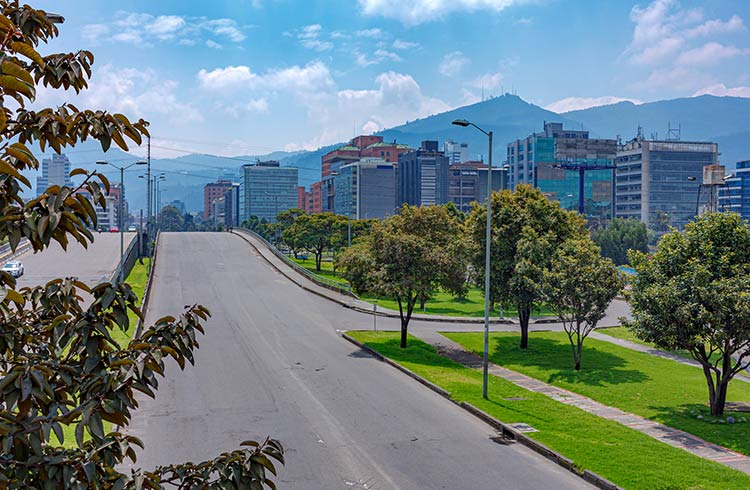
(250, 76)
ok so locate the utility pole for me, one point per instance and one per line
(148, 195)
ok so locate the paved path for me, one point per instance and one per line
(272, 362)
(667, 435)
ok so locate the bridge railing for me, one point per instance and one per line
(317, 279)
(126, 261)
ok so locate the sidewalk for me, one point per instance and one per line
(667, 435)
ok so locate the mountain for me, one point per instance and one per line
(725, 120)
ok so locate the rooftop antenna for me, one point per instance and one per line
(639, 133)
(673, 133)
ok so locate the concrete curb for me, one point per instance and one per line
(387, 314)
(504, 429)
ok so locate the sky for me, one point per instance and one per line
(239, 77)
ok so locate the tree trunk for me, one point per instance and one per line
(524, 313)
(719, 399)
(318, 260)
(422, 303)
(405, 317)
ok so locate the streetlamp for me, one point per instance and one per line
(122, 170)
(157, 196)
(348, 208)
(485, 364)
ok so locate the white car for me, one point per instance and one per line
(132, 228)
(14, 268)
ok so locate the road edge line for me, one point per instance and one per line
(504, 429)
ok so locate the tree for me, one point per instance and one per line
(620, 236)
(407, 257)
(170, 219)
(59, 365)
(314, 232)
(579, 286)
(526, 230)
(694, 294)
(662, 220)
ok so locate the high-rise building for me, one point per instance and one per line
(735, 195)
(55, 171)
(365, 189)
(266, 189)
(211, 192)
(232, 205)
(423, 176)
(657, 181)
(316, 197)
(456, 152)
(541, 159)
(302, 198)
(468, 183)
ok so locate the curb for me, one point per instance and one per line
(504, 429)
(422, 318)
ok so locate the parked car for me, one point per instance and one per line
(114, 229)
(132, 228)
(14, 268)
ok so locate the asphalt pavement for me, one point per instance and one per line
(91, 265)
(272, 363)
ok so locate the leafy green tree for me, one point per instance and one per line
(453, 210)
(170, 219)
(619, 236)
(314, 233)
(407, 257)
(579, 286)
(259, 226)
(526, 230)
(59, 365)
(694, 294)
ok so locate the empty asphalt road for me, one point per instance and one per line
(272, 362)
(91, 265)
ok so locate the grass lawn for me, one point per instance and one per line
(137, 280)
(622, 455)
(441, 304)
(656, 388)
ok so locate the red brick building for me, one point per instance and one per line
(316, 197)
(211, 193)
(302, 198)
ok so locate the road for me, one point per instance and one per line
(91, 265)
(273, 363)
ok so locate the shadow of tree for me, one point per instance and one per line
(552, 361)
(735, 436)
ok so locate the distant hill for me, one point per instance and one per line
(725, 120)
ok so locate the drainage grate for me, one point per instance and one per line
(521, 427)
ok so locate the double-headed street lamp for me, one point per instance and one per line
(485, 365)
(122, 170)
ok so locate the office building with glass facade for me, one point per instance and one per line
(267, 189)
(657, 182)
(423, 176)
(735, 194)
(365, 189)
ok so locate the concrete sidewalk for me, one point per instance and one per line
(663, 433)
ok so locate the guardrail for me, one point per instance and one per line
(320, 280)
(7, 254)
(147, 288)
(127, 261)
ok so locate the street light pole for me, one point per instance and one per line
(485, 361)
(120, 207)
(349, 213)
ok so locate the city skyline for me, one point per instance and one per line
(255, 76)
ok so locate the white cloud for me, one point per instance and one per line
(309, 37)
(716, 26)
(213, 44)
(312, 77)
(722, 90)
(226, 78)
(412, 12)
(710, 53)
(399, 44)
(143, 29)
(453, 63)
(373, 33)
(487, 81)
(577, 103)
(387, 55)
(135, 93)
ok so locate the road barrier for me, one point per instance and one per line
(147, 289)
(320, 280)
(127, 261)
(6, 254)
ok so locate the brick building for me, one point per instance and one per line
(211, 193)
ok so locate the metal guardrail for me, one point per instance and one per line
(323, 281)
(147, 289)
(6, 254)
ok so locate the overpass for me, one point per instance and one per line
(272, 363)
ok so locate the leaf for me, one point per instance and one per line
(11, 83)
(95, 425)
(27, 51)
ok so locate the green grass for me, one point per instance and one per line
(441, 304)
(137, 280)
(655, 388)
(626, 457)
